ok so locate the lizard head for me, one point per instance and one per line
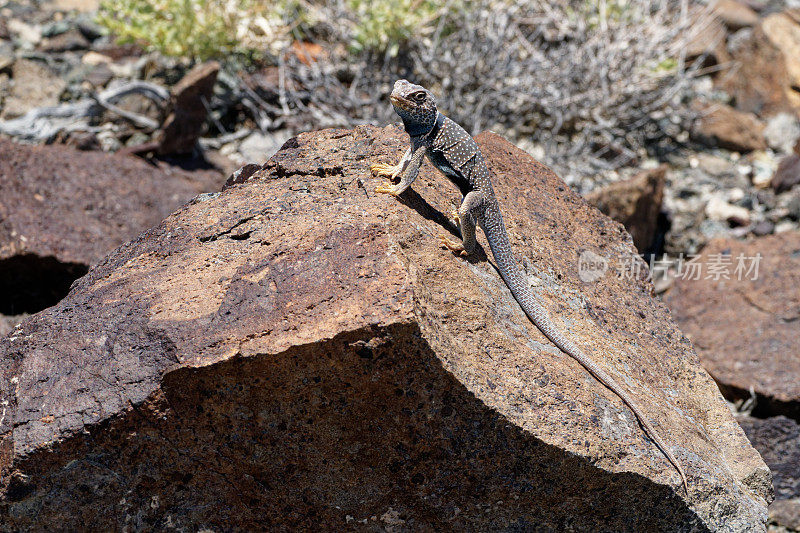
(416, 106)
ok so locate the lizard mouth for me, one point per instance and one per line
(399, 101)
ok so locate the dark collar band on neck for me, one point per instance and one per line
(434, 130)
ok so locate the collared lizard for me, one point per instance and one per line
(456, 154)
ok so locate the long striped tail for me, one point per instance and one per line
(512, 275)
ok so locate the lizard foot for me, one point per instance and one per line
(455, 218)
(384, 170)
(454, 246)
(386, 188)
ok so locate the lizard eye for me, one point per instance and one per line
(418, 97)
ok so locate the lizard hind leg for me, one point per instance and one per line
(466, 216)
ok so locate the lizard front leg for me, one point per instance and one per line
(391, 171)
(408, 175)
(468, 213)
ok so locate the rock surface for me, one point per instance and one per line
(297, 352)
(735, 15)
(635, 203)
(186, 120)
(759, 81)
(778, 441)
(728, 128)
(746, 331)
(787, 175)
(34, 85)
(62, 210)
(784, 33)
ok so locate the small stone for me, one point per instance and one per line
(787, 175)
(242, 174)
(766, 197)
(764, 166)
(793, 208)
(765, 227)
(99, 76)
(6, 57)
(785, 226)
(782, 132)
(712, 228)
(725, 127)
(28, 34)
(35, 85)
(82, 140)
(89, 29)
(713, 164)
(55, 28)
(735, 15)
(735, 195)
(720, 210)
(93, 58)
(65, 42)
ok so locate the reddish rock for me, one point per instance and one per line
(735, 15)
(64, 42)
(745, 331)
(721, 125)
(758, 80)
(35, 85)
(784, 33)
(707, 43)
(62, 210)
(777, 439)
(636, 203)
(185, 123)
(308, 52)
(787, 175)
(297, 352)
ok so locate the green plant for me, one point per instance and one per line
(385, 25)
(198, 29)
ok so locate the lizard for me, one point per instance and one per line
(456, 155)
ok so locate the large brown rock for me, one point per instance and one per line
(778, 441)
(724, 126)
(735, 15)
(35, 85)
(61, 210)
(189, 109)
(745, 331)
(297, 352)
(706, 42)
(784, 33)
(636, 203)
(787, 175)
(759, 81)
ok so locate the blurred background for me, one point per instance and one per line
(679, 119)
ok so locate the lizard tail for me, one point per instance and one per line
(501, 250)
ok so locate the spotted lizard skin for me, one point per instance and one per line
(455, 153)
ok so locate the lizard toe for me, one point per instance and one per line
(454, 246)
(386, 189)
